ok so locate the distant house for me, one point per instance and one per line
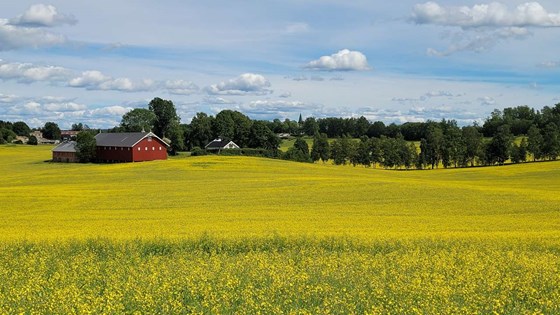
(65, 152)
(219, 144)
(130, 147)
(41, 140)
(68, 135)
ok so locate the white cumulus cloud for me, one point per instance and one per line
(483, 26)
(494, 14)
(8, 98)
(487, 101)
(480, 40)
(344, 60)
(181, 87)
(27, 73)
(65, 107)
(16, 37)
(115, 110)
(28, 29)
(245, 84)
(41, 15)
(96, 80)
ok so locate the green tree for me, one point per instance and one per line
(233, 125)
(166, 116)
(51, 131)
(551, 141)
(361, 127)
(200, 131)
(376, 130)
(298, 152)
(519, 152)
(391, 154)
(260, 136)
(32, 140)
(499, 149)
(408, 154)
(363, 154)
(138, 119)
(340, 151)
(291, 127)
(472, 142)
(7, 135)
(20, 128)
(375, 148)
(535, 142)
(451, 146)
(85, 146)
(492, 123)
(432, 150)
(310, 126)
(176, 138)
(422, 160)
(77, 127)
(321, 148)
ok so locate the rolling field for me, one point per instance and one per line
(246, 235)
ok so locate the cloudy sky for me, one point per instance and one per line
(395, 61)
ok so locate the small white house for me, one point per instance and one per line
(219, 144)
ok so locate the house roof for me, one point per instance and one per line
(69, 146)
(218, 144)
(123, 139)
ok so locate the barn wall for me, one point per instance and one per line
(65, 157)
(114, 154)
(149, 149)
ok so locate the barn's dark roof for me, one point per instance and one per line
(69, 146)
(217, 144)
(122, 139)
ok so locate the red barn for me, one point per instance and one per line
(65, 152)
(130, 147)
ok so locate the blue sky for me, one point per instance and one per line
(92, 61)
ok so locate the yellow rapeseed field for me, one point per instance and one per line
(226, 235)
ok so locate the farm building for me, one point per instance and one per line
(219, 144)
(68, 134)
(130, 147)
(41, 140)
(65, 152)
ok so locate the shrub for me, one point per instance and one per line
(197, 151)
(32, 140)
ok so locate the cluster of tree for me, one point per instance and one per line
(519, 119)
(230, 125)
(384, 151)
(9, 131)
(445, 144)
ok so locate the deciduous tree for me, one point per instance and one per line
(321, 148)
(166, 116)
(85, 146)
(51, 131)
(138, 119)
